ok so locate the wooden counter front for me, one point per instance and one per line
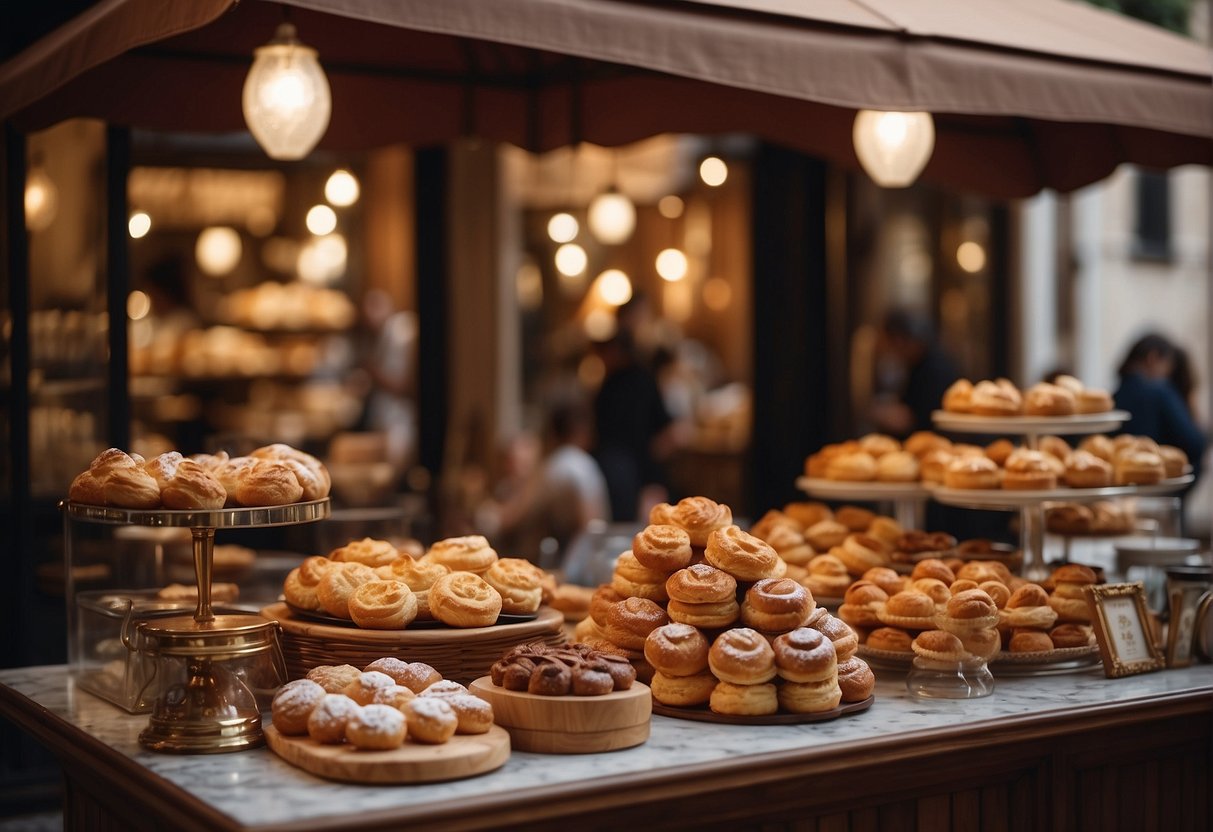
(1064, 752)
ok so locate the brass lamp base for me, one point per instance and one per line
(204, 736)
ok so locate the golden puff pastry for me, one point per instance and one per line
(368, 551)
(519, 582)
(338, 585)
(383, 605)
(462, 599)
(464, 554)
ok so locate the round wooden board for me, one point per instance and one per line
(466, 755)
(704, 715)
(570, 724)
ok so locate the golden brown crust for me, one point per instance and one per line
(971, 604)
(996, 398)
(601, 602)
(677, 650)
(699, 516)
(362, 690)
(826, 534)
(940, 646)
(889, 638)
(338, 584)
(519, 583)
(959, 397)
(376, 727)
(368, 551)
(999, 450)
(712, 615)
(775, 605)
(130, 488)
(334, 678)
(742, 555)
(744, 700)
(662, 548)
(972, 472)
(1030, 641)
(808, 513)
(855, 680)
(431, 719)
(327, 721)
(87, 489)
(1070, 635)
(293, 704)
(1046, 399)
(630, 621)
(383, 605)
(1092, 400)
(805, 655)
(1074, 573)
(933, 568)
(419, 573)
(853, 467)
(742, 656)
(464, 599)
(464, 554)
(683, 691)
(1085, 470)
(313, 477)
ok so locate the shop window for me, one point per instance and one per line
(1152, 228)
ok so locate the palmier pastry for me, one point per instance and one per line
(368, 552)
(827, 578)
(606, 597)
(431, 720)
(999, 450)
(376, 728)
(776, 605)
(1174, 460)
(789, 544)
(890, 639)
(184, 484)
(996, 398)
(810, 697)
(859, 553)
(416, 676)
(677, 650)
(334, 678)
(959, 397)
(853, 467)
(293, 704)
(662, 548)
(1085, 470)
(313, 477)
(743, 700)
(939, 646)
(1139, 468)
(845, 639)
(911, 610)
(826, 534)
(463, 599)
(742, 555)
(631, 620)
(972, 472)
(808, 513)
(463, 554)
(362, 690)
(632, 579)
(383, 605)
(885, 578)
(683, 691)
(419, 573)
(326, 723)
(805, 655)
(855, 680)
(519, 582)
(1028, 470)
(855, 518)
(862, 604)
(338, 584)
(900, 466)
(742, 656)
(1046, 399)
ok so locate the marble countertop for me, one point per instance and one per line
(256, 787)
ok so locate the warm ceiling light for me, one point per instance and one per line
(286, 99)
(614, 287)
(218, 250)
(138, 305)
(672, 265)
(893, 147)
(713, 171)
(971, 256)
(41, 200)
(563, 228)
(671, 207)
(612, 217)
(321, 220)
(342, 189)
(138, 225)
(571, 259)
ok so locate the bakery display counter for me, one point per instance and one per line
(1070, 752)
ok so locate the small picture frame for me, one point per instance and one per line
(1181, 631)
(1122, 629)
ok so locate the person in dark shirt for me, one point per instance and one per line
(928, 371)
(631, 421)
(1156, 408)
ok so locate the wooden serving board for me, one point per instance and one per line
(702, 714)
(570, 724)
(465, 755)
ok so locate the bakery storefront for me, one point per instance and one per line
(298, 296)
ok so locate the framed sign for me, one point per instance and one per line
(1181, 632)
(1122, 629)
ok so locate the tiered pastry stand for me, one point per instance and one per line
(908, 498)
(204, 714)
(1031, 503)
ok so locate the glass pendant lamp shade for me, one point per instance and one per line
(612, 218)
(286, 99)
(893, 147)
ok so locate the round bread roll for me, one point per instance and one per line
(463, 554)
(742, 656)
(677, 650)
(383, 605)
(862, 604)
(375, 728)
(293, 704)
(663, 549)
(885, 578)
(742, 555)
(743, 700)
(890, 639)
(519, 582)
(464, 599)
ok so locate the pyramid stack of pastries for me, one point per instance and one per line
(274, 475)
(708, 615)
(378, 707)
(460, 581)
(979, 603)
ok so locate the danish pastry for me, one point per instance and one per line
(742, 555)
(662, 548)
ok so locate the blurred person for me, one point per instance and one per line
(633, 428)
(1182, 380)
(908, 340)
(564, 494)
(389, 363)
(1157, 408)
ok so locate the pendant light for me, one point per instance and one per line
(41, 197)
(286, 99)
(893, 147)
(612, 216)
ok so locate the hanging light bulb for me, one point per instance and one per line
(563, 228)
(41, 200)
(286, 96)
(893, 147)
(218, 250)
(342, 188)
(612, 217)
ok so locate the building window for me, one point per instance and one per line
(1152, 230)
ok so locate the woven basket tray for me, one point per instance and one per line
(461, 655)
